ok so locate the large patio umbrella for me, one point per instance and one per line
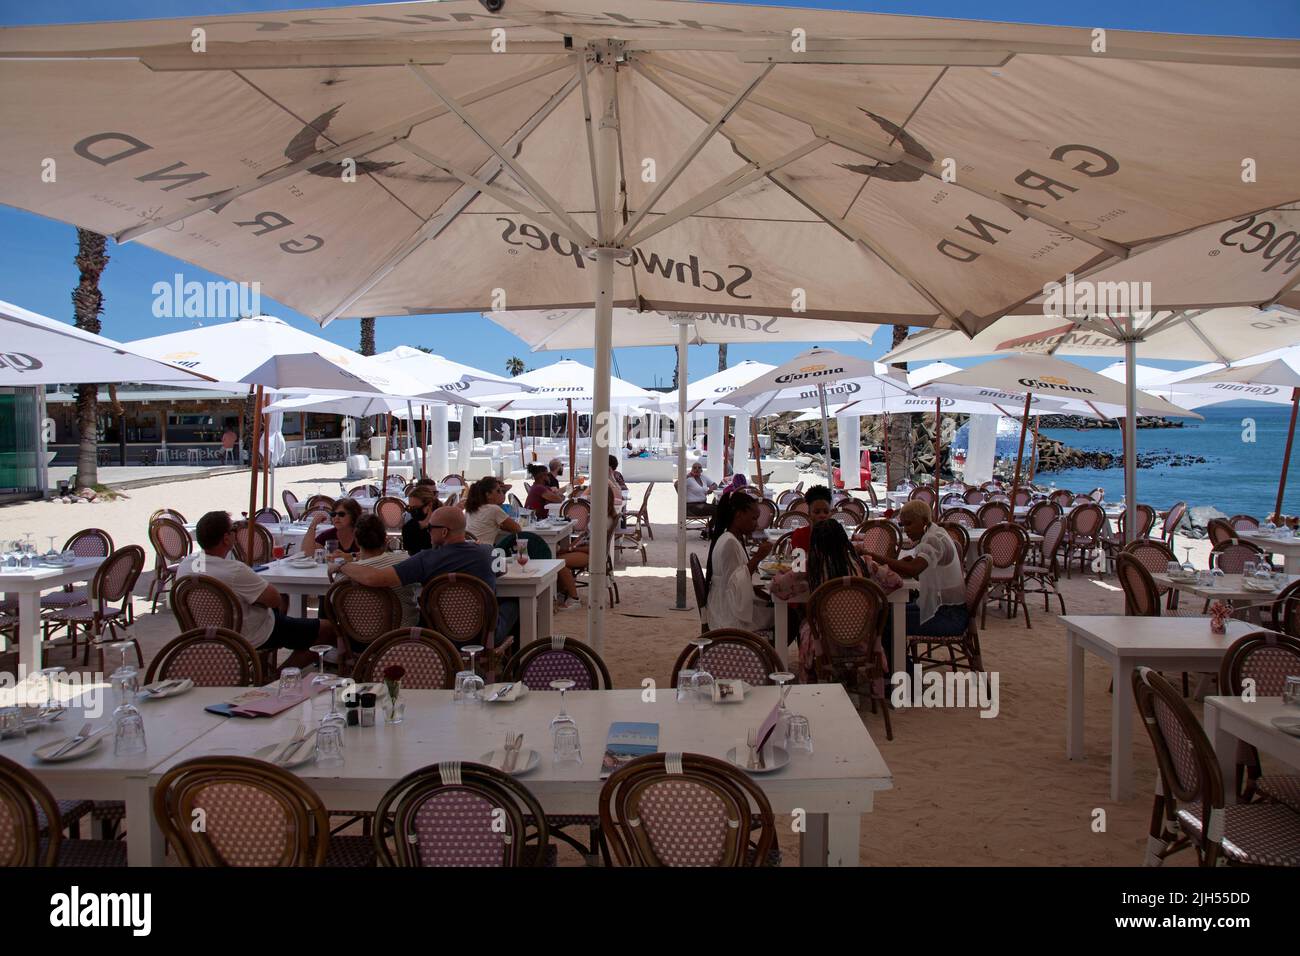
(1265, 381)
(813, 373)
(1031, 375)
(38, 350)
(839, 165)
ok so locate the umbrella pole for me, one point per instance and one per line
(1020, 453)
(1033, 453)
(826, 437)
(1130, 446)
(424, 441)
(570, 427)
(758, 452)
(938, 449)
(266, 457)
(888, 478)
(679, 433)
(1286, 460)
(600, 472)
(256, 467)
(388, 438)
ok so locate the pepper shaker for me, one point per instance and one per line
(368, 709)
(353, 710)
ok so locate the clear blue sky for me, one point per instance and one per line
(37, 271)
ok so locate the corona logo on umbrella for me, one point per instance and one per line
(1052, 383)
(807, 372)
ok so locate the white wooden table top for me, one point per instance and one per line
(1259, 714)
(1155, 636)
(1271, 543)
(538, 574)
(41, 578)
(1227, 588)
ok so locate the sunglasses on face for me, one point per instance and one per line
(338, 514)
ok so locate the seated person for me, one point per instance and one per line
(450, 553)
(697, 493)
(542, 492)
(420, 506)
(485, 518)
(818, 498)
(344, 530)
(940, 609)
(731, 598)
(830, 555)
(266, 626)
(556, 471)
(616, 476)
(373, 538)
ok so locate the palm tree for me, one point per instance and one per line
(365, 430)
(722, 357)
(87, 304)
(900, 426)
(367, 337)
(515, 366)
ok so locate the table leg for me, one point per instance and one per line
(144, 844)
(781, 620)
(527, 619)
(29, 632)
(1225, 749)
(899, 616)
(813, 840)
(546, 610)
(1121, 731)
(844, 839)
(1291, 562)
(1073, 698)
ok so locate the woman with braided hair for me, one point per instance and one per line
(732, 600)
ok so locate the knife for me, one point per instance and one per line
(82, 734)
(298, 736)
(501, 692)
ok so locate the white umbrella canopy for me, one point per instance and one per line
(266, 351)
(560, 329)
(358, 406)
(444, 374)
(705, 395)
(552, 387)
(454, 169)
(38, 350)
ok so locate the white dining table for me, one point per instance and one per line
(1228, 587)
(1287, 545)
(898, 628)
(27, 586)
(170, 724)
(551, 532)
(534, 587)
(826, 792)
(1125, 643)
(297, 583)
(1231, 719)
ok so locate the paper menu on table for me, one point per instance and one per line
(628, 740)
(767, 726)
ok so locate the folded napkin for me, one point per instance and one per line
(519, 690)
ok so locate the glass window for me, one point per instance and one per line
(19, 441)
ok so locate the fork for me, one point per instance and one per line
(512, 752)
(81, 736)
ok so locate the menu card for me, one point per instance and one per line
(265, 701)
(767, 726)
(627, 741)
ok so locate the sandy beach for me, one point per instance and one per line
(966, 790)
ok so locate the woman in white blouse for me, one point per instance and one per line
(732, 599)
(940, 608)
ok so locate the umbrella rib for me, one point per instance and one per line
(531, 185)
(1295, 280)
(356, 147)
(847, 140)
(694, 149)
(1219, 356)
(435, 224)
(591, 138)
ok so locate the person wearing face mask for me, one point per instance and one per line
(542, 492)
(818, 499)
(420, 506)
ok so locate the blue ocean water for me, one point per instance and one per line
(1238, 477)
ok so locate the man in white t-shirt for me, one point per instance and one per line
(266, 626)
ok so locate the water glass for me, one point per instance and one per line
(290, 682)
(1248, 569)
(799, 736)
(1291, 690)
(11, 722)
(128, 731)
(1173, 569)
(329, 746)
(685, 685)
(567, 746)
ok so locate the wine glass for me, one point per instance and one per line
(1187, 561)
(562, 719)
(702, 680)
(334, 715)
(471, 684)
(320, 650)
(782, 680)
(51, 553)
(521, 552)
(51, 675)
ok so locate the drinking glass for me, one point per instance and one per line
(521, 552)
(800, 734)
(51, 553)
(1173, 568)
(329, 745)
(290, 682)
(782, 680)
(702, 681)
(128, 730)
(126, 680)
(1291, 690)
(1187, 561)
(1248, 569)
(562, 719)
(51, 675)
(11, 722)
(320, 650)
(473, 650)
(685, 684)
(335, 714)
(568, 749)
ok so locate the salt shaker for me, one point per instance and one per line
(368, 709)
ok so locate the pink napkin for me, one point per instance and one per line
(264, 702)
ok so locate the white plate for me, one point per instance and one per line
(528, 760)
(1288, 725)
(775, 757)
(302, 564)
(83, 749)
(184, 685)
(305, 753)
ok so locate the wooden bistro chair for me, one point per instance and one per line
(263, 544)
(963, 649)
(209, 656)
(853, 507)
(1084, 530)
(291, 505)
(676, 809)
(733, 655)
(848, 616)
(1242, 523)
(767, 514)
(464, 610)
(692, 521)
(640, 519)
(993, 513)
(960, 538)
(1267, 659)
(1173, 518)
(319, 501)
(701, 599)
(1219, 531)
(1008, 545)
(267, 516)
(31, 827)
(793, 519)
(460, 814)
(87, 543)
(1190, 808)
(429, 659)
(172, 544)
(256, 814)
(112, 585)
(881, 536)
(1043, 577)
(959, 516)
(362, 615)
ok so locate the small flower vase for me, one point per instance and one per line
(394, 709)
(1219, 618)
